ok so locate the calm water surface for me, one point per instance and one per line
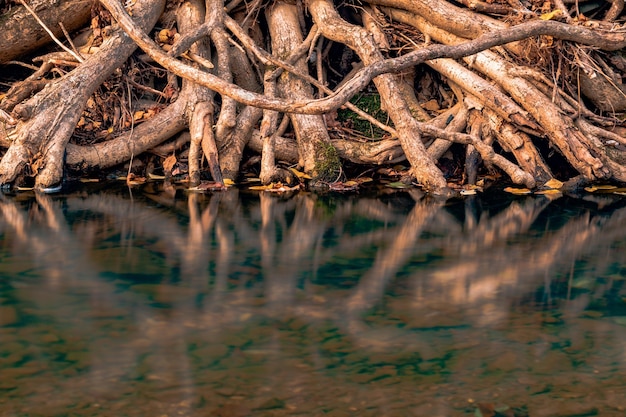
(162, 303)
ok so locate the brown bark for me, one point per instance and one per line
(335, 28)
(318, 157)
(22, 34)
(49, 118)
(509, 102)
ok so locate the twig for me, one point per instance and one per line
(54, 38)
(69, 39)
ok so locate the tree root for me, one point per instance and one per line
(49, 118)
(478, 88)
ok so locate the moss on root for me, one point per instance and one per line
(327, 165)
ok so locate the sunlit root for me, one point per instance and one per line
(436, 73)
(318, 157)
(22, 33)
(49, 118)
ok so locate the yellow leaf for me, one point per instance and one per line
(300, 174)
(363, 180)
(156, 177)
(553, 183)
(229, 182)
(138, 115)
(517, 191)
(595, 188)
(549, 191)
(85, 180)
(350, 183)
(259, 187)
(554, 14)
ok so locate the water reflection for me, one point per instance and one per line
(237, 304)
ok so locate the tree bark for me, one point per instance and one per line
(318, 157)
(22, 33)
(357, 38)
(48, 119)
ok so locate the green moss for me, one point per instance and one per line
(370, 103)
(327, 165)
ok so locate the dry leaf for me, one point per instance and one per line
(599, 187)
(132, 179)
(344, 186)
(554, 14)
(468, 192)
(300, 174)
(549, 191)
(553, 183)
(208, 186)
(431, 105)
(517, 191)
(169, 162)
(138, 115)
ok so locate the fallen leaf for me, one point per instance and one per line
(553, 183)
(300, 174)
(549, 191)
(343, 186)
(138, 115)
(468, 192)
(169, 162)
(517, 191)
(599, 187)
(431, 105)
(554, 14)
(132, 179)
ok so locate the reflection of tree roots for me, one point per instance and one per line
(488, 262)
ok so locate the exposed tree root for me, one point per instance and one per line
(283, 83)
